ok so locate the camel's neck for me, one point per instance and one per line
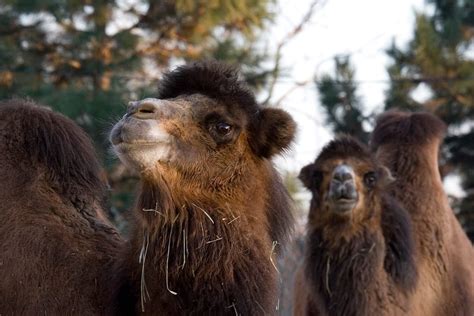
(418, 182)
(201, 256)
(347, 275)
(348, 271)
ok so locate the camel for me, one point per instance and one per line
(408, 144)
(55, 250)
(359, 248)
(211, 209)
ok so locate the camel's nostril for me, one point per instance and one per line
(342, 175)
(145, 110)
(343, 187)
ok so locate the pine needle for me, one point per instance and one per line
(211, 241)
(274, 244)
(233, 220)
(167, 263)
(208, 216)
(154, 211)
(185, 249)
(328, 265)
(141, 259)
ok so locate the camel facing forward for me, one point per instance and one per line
(359, 248)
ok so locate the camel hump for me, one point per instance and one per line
(34, 139)
(396, 127)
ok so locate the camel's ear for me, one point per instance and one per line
(272, 133)
(309, 176)
(385, 176)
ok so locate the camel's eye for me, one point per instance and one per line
(223, 129)
(370, 178)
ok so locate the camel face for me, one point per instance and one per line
(138, 139)
(342, 194)
(344, 185)
(190, 132)
(144, 136)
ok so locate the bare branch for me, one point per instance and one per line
(19, 28)
(291, 35)
(297, 85)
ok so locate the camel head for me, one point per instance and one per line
(204, 127)
(345, 182)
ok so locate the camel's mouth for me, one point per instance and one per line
(131, 131)
(343, 205)
(140, 143)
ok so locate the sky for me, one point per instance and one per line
(364, 29)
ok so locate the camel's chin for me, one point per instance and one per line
(343, 207)
(142, 156)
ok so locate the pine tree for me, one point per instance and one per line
(342, 105)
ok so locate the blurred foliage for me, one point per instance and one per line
(87, 59)
(438, 60)
(342, 105)
(297, 192)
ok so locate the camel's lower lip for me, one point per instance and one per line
(345, 201)
(343, 205)
(139, 143)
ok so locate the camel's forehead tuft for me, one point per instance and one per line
(344, 147)
(213, 79)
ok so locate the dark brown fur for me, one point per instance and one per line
(210, 243)
(358, 266)
(408, 144)
(216, 80)
(55, 253)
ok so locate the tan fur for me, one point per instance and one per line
(358, 262)
(409, 145)
(211, 207)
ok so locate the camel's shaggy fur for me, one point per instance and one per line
(55, 251)
(359, 262)
(211, 209)
(408, 144)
